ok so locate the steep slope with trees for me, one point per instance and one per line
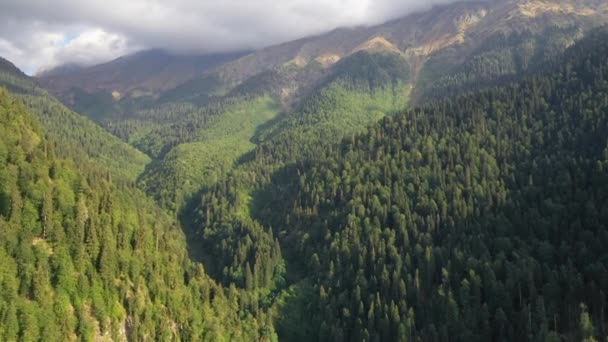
(480, 218)
(84, 257)
(74, 136)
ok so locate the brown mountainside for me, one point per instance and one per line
(455, 30)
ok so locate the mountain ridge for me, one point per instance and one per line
(458, 28)
(95, 144)
(142, 73)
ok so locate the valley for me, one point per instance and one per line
(440, 176)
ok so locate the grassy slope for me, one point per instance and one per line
(189, 167)
(335, 112)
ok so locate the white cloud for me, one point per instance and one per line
(49, 49)
(92, 46)
(33, 33)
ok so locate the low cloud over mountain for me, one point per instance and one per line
(37, 35)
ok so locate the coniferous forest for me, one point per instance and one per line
(476, 218)
(84, 257)
(384, 201)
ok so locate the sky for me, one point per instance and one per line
(41, 34)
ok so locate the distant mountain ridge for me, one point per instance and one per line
(142, 73)
(9, 67)
(454, 31)
(418, 36)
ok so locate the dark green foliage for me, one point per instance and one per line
(236, 248)
(198, 91)
(497, 61)
(371, 70)
(477, 218)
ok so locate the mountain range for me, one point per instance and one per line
(451, 34)
(448, 50)
(438, 177)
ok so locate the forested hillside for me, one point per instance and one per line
(499, 60)
(438, 177)
(74, 136)
(474, 218)
(196, 144)
(86, 258)
(198, 126)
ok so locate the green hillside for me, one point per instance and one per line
(501, 59)
(360, 90)
(474, 218)
(86, 258)
(75, 137)
(209, 154)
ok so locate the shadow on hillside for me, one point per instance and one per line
(188, 219)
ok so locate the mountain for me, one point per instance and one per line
(479, 217)
(450, 35)
(86, 258)
(319, 89)
(140, 77)
(453, 33)
(333, 85)
(81, 139)
(143, 73)
(438, 177)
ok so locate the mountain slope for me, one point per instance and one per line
(118, 87)
(81, 139)
(149, 71)
(85, 258)
(480, 217)
(9, 68)
(463, 26)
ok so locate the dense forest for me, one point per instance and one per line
(72, 135)
(84, 257)
(194, 145)
(216, 214)
(499, 60)
(481, 217)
